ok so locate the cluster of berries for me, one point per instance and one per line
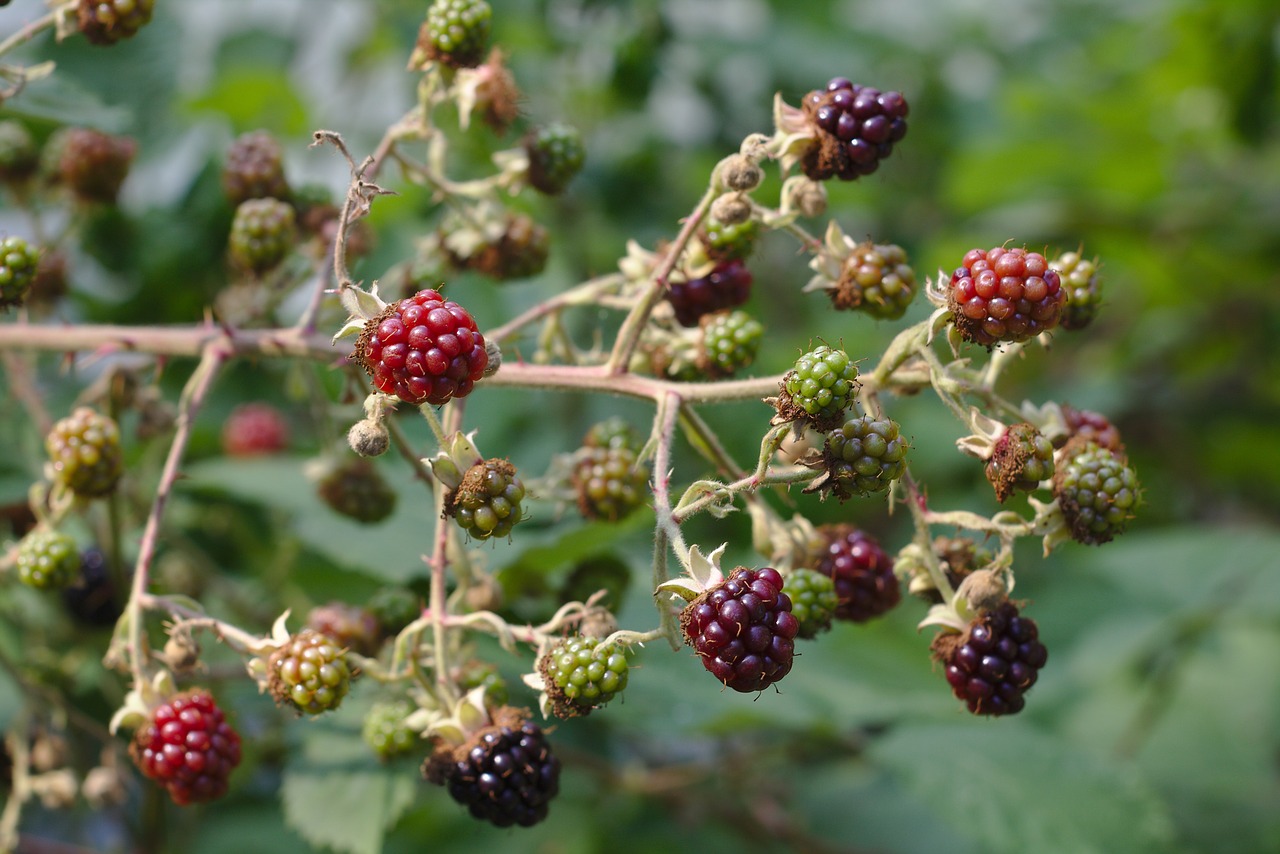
(608, 477)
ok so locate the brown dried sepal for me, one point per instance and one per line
(444, 757)
(790, 412)
(1005, 469)
(473, 483)
(827, 157)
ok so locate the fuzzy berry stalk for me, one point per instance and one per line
(728, 285)
(19, 261)
(188, 747)
(423, 349)
(862, 571)
(1096, 490)
(1004, 295)
(994, 661)
(487, 502)
(84, 452)
(105, 22)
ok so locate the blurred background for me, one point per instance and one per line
(1147, 132)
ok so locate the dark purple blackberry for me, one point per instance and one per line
(92, 599)
(743, 629)
(862, 571)
(994, 661)
(728, 285)
(857, 128)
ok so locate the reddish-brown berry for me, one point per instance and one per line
(1004, 295)
(743, 629)
(994, 661)
(188, 747)
(254, 429)
(862, 571)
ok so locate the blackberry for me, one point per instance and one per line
(254, 429)
(93, 164)
(728, 285)
(350, 626)
(730, 342)
(994, 662)
(84, 451)
(862, 571)
(254, 169)
(615, 432)
(19, 263)
(309, 672)
(520, 251)
(456, 32)
(394, 608)
(505, 774)
(1096, 490)
(610, 483)
(856, 127)
(1084, 296)
(582, 674)
(725, 242)
(813, 600)
(876, 280)
(188, 747)
(106, 22)
(384, 730)
(423, 349)
(822, 385)
(1004, 295)
(556, 155)
(93, 599)
(865, 455)
(356, 490)
(19, 157)
(47, 559)
(1093, 426)
(262, 233)
(1021, 458)
(743, 629)
(487, 502)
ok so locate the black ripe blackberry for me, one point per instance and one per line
(862, 571)
(857, 128)
(728, 285)
(994, 661)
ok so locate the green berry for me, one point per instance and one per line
(1080, 281)
(876, 280)
(581, 674)
(384, 730)
(456, 32)
(18, 263)
(615, 432)
(47, 559)
(394, 608)
(1096, 491)
(19, 157)
(356, 490)
(1021, 458)
(84, 451)
(309, 672)
(105, 22)
(262, 233)
(865, 455)
(725, 242)
(610, 482)
(813, 600)
(556, 155)
(487, 502)
(823, 383)
(730, 342)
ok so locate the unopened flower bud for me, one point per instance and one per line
(806, 196)
(731, 209)
(738, 173)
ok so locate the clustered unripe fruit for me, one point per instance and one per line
(254, 169)
(813, 600)
(856, 128)
(581, 674)
(456, 32)
(487, 502)
(254, 429)
(1004, 295)
(355, 489)
(877, 280)
(610, 483)
(556, 155)
(93, 164)
(309, 672)
(743, 629)
(821, 386)
(861, 570)
(19, 261)
(729, 242)
(1097, 491)
(423, 349)
(994, 661)
(864, 455)
(1084, 295)
(1020, 460)
(84, 450)
(47, 559)
(384, 730)
(728, 285)
(730, 342)
(262, 233)
(188, 747)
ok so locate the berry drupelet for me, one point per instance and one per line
(1004, 295)
(862, 571)
(188, 747)
(743, 629)
(994, 661)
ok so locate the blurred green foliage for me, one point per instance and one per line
(1148, 132)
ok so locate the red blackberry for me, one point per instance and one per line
(423, 349)
(1000, 295)
(254, 168)
(728, 285)
(994, 661)
(862, 571)
(253, 429)
(857, 127)
(350, 626)
(106, 22)
(1093, 426)
(505, 774)
(1021, 458)
(19, 263)
(610, 483)
(743, 629)
(356, 490)
(188, 747)
(94, 164)
(1096, 490)
(487, 502)
(84, 450)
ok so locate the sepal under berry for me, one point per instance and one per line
(1020, 459)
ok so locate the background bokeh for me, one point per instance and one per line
(1146, 131)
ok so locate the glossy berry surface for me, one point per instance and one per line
(47, 559)
(19, 261)
(730, 342)
(865, 455)
(456, 32)
(106, 22)
(556, 155)
(743, 629)
(487, 502)
(857, 126)
(823, 383)
(1084, 295)
(309, 672)
(94, 164)
(262, 233)
(582, 674)
(610, 483)
(728, 285)
(876, 280)
(994, 662)
(188, 747)
(84, 450)
(507, 778)
(254, 168)
(1004, 295)
(423, 349)
(350, 626)
(725, 242)
(385, 732)
(862, 571)
(356, 490)
(254, 429)
(813, 600)
(1096, 490)
(1020, 460)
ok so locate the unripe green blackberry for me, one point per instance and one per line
(865, 455)
(394, 608)
(356, 490)
(610, 482)
(822, 385)
(94, 164)
(254, 168)
(724, 242)
(105, 22)
(582, 674)
(19, 157)
(487, 502)
(876, 280)
(602, 572)
(456, 32)
(47, 559)
(614, 432)
(556, 155)
(730, 342)
(813, 600)
(1021, 458)
(262, 233)
(84, 450)
(1080, 281)
(19, 261)
(384, 730)
(1096, 491)
(309, 672)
